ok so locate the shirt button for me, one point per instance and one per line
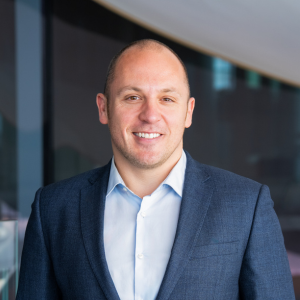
(140, 256)
(143, 214)
(124, 189)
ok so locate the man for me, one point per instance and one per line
(153, 223)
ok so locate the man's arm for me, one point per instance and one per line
(37, 280)
(265, 272)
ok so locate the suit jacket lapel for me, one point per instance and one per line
(92, 205)
(197, 192)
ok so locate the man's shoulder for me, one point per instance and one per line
(224, 179)
(72, 186)
(229, 187)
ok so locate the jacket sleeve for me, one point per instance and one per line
(265, 272)
(37, 279)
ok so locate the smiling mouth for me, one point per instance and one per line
(147, 135)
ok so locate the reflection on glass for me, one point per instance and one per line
(8, 259)
(253, 79)
(7, 164)
(69, 162)
(1, 128)
(223, 74)
(275, 87)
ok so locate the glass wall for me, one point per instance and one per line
(21, 104)
(8, 124)
(8, 149)
(243, 122)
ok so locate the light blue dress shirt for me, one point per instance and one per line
(139, 233)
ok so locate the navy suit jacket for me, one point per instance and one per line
(228, 243)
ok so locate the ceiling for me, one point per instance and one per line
(263, 36)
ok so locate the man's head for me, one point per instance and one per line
(149, 104)
(140, 44)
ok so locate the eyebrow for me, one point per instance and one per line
(133, 88)
(170, 90)
(128, 88)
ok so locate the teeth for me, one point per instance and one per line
(147, 135)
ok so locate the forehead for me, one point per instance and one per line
(152, 65)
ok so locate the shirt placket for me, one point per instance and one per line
(140, 251)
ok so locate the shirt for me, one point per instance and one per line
(139, 233)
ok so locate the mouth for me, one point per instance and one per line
(147, 135)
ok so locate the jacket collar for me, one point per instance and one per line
(92, 205)
(197, 192)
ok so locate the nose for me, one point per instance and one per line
(150, 111)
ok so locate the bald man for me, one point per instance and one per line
(153, 223)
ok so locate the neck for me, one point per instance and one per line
(144, 182)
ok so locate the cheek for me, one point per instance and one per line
(177, 120)
(176, 126)
(121, 121)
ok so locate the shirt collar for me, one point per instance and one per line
(114, 178)
(175, 178)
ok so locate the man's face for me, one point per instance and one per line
(148, 107)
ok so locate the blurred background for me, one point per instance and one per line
(244, 71)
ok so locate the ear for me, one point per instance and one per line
(189, 114)
(102, 108)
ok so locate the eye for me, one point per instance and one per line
(133, 98)
(167, 100)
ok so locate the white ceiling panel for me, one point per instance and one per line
(262, 35)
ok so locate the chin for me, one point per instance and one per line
(147, 161)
